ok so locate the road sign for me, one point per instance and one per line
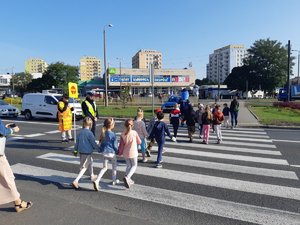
(73, 90)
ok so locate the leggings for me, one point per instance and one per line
(131, 166)
(105, 167)
(206, 128)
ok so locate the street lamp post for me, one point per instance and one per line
(298, 78)
(105, 70)
(120, 73)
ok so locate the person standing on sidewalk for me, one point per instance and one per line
(89, 109)
(217, 121)
(234, 111)
(8, 189)
(65, 119)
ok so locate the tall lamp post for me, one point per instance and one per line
(105, 73)
(298, 78)
(120, 73)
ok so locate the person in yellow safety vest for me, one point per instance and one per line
(65, 119)
(89, 109)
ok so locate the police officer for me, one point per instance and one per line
(65, 118)
(89, 109)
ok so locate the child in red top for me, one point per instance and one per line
(175, 116)
(217, 121)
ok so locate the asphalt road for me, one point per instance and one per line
(252, 177)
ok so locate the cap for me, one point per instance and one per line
(158, 110)
(91, 94)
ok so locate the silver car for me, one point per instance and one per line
(8, 110)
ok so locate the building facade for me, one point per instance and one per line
(5, 84)
(168, 81)
(89, 68)
(35, 65)
(223, 60)
(143, 57)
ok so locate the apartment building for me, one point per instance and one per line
(143, 57)
(223, 60)
(34, 65)
(90, 67)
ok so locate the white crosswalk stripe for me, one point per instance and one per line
(230, 166)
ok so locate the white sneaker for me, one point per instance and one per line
(115, 182)
(145, 160)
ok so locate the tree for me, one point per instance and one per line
(40, 84)
(19, 81)
(267, 61)
(62, 74)
(204, 81)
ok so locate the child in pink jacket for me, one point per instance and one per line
(128, 147)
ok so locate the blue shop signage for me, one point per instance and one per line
(120, 78)
(140, 78)
(162, 78)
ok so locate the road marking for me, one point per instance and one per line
(290, 141)
(52, 132)
(226, 156)
(198, 144)
(230, 135)
(34, 135)
(37, 122)
(227, 183)
(202, 204)
(14, 138)
(295, 166)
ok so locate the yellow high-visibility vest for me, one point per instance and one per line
(90, 108)
(64, 118)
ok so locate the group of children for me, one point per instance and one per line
(133, 138)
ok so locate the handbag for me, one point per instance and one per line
(2, 145)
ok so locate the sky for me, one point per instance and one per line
(183, 30)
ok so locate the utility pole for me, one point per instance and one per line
(288, 71)
(151, 70)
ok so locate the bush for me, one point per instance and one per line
(292, 105)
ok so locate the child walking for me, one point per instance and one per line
(218, 119)
(85, 144)
(128, 147)
(175, 116)
(206, 121)
(199, 113)
(159, 132)
(109, 148)
(149, 130)
(226, 111)
(140, 128)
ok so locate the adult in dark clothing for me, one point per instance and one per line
(184, 108)
(89, 109)
(234, 111)
(190, 117)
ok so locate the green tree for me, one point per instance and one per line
(19, 81)
(204, 81)
(267, 60)
(40, 84)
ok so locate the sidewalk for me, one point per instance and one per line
(246, 118)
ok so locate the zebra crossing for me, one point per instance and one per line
(246, 163)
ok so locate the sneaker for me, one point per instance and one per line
(164, 151)
(191, 140)
(71, 139)
(96, 186)
(131, 182)
(158, 165)
(75, 185)
(200, 136)
(219, 141)
(65, 141)
(203, 142)
(126, 182)
(145, 160)
(115, 182)
(148, 153)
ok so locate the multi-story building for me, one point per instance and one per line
(90, 67)
(35, 66)
(223, 60)
(143, 57)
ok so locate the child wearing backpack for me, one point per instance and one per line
(217, 121)
(109, 148)
(159, 132)
(128, 147)
(85, 144)
(140, 128)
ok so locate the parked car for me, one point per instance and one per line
(43, 105)
(169, 105)
(8, 110)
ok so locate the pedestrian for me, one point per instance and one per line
(184, 108)
(234, 111)
(128, 147)
(226, 111)
(175, 116)
(190, 117)
(89, 109)
(85, 145)
(199, 113)
(140, 109)
(65, 119)
(140, 128)
(213, 108)
(206, 121)
(149, 130)
(8, 189)
(109, 148)
(218, 118)
(159, 132)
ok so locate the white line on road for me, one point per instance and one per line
(226, 156)
(211, 206)
(34, 135)
(52, 132)
(230, 135)
(290, 141)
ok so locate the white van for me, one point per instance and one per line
(44, 105)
